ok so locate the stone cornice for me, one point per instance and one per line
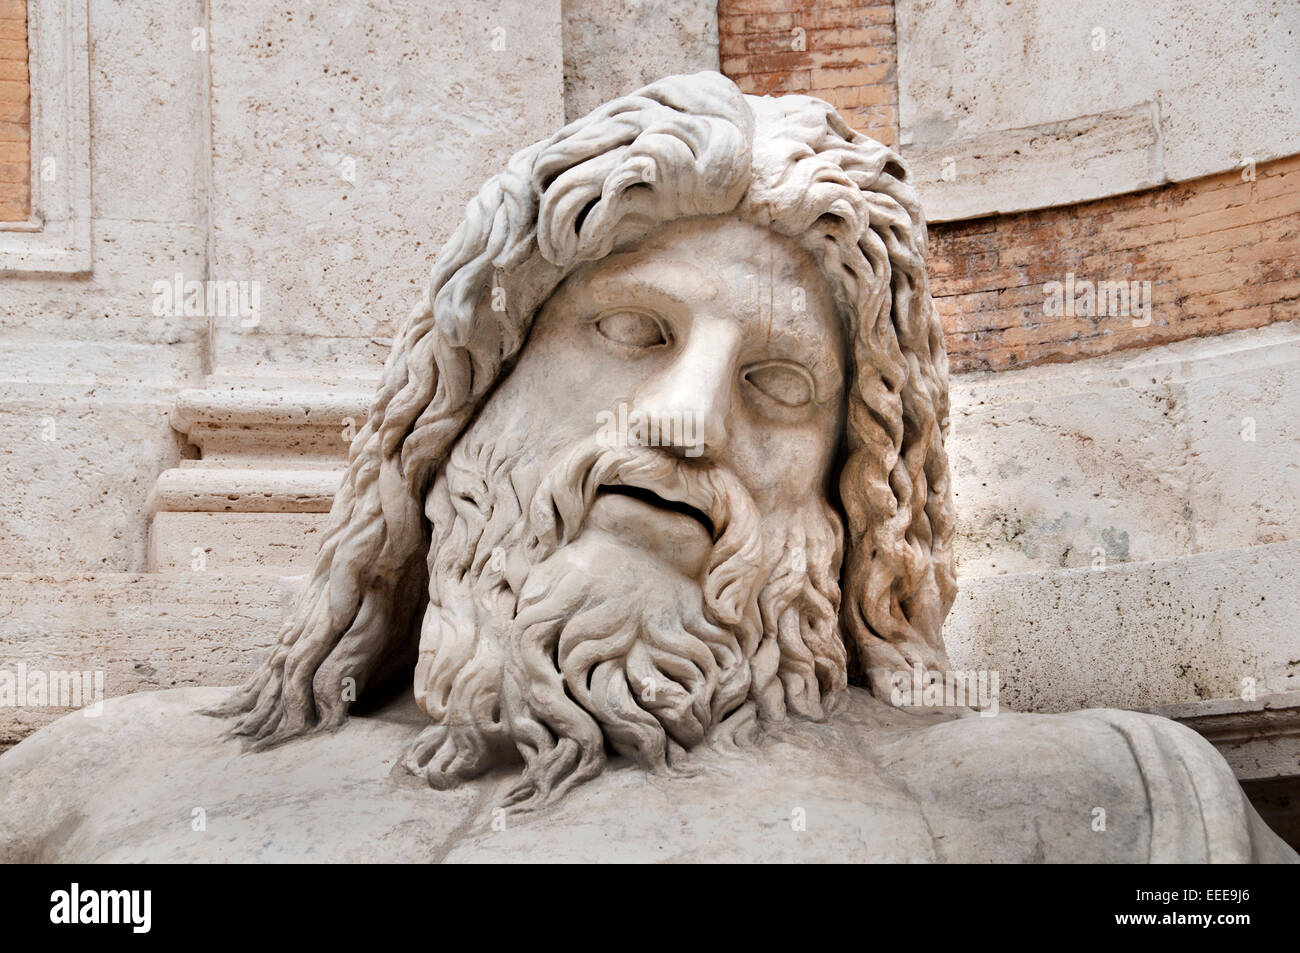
(1260, 739)
(235, 406)
(210, 489)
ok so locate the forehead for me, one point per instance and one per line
(727, 265)
(701, 246)
(725, 239)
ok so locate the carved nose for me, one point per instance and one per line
(690, 402)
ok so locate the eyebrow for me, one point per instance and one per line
(657, 276)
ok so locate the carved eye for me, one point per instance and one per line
(785, 383)
(631, 329)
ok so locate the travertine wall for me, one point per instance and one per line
(1129, 526)
(1029, 104)
(344, 144)
(613, 47)
(87, 370)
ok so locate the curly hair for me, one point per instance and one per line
(684, 146)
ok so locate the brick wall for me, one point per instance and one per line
(841, 51)
(15, 127)
(1220, 253)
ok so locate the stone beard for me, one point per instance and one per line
(748, 264)
(605, 643)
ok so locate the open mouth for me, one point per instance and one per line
(654, 499)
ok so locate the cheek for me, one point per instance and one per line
(780, 463)
(564, 379)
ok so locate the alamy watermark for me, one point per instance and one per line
(921, 688)
(75, 905)
(1082, 298)
(625, 427)
(179, 298)
(39, 688)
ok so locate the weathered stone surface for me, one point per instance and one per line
(148, 88)
(143, 631)
(612, 47)
(1244, 431)
(1056, 163)
(86, 370)
(72, 499)
(1235, 98)
(1135, 634)
(197, 488)
(346, 141)
(873, 784)
(1144, 455)
(278, 542)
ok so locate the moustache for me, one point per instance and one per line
(563, 499)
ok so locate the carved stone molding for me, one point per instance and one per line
(270, 458)
(1260, 739)
(56, 235)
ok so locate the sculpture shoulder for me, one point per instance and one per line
(1099, 785)
(50, 779)
(153, 779)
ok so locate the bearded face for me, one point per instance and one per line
(600, 457)
(634, 547)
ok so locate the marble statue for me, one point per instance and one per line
(650, 515)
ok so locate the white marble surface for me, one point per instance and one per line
(151, 780)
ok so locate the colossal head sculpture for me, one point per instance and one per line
(656, 465)
(656, 462)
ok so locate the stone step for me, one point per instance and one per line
(143, 631)
(1133, 635)
(208, 488)
(226, 542)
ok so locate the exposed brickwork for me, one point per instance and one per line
(15, 113)
(1221, 253)
(842, 51)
